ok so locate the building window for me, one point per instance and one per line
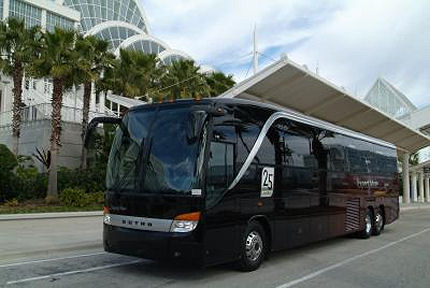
(27, 84)
(54, 20)
(1, 9)
(32, 15)
(47, 86)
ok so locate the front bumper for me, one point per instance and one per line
(151, 244)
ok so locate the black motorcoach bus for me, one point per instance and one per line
(221, 180)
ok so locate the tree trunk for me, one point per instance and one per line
(57, 102)
(85, 117)
(17, 102)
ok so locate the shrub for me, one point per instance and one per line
(8, 161)
(31, 184)
(11, 203)
(74, 197)
(90, 180)
(96, 198)
(8, 180)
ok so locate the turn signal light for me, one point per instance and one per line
(105, 210)
(194, 216)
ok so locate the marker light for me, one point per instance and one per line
(185, 222)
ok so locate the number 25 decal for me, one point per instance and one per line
(267, 181)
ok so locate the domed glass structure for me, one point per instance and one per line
(123, 23)
(95, 12)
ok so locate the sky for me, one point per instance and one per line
(351, 42)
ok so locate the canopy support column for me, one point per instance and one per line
(406, 185)
(421, 184)
(414, 187)
(427, 189)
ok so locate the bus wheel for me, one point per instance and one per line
(379, 223)
(368, 227)
(253, 247)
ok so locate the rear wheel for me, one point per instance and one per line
(368, 225)
(379, 223)
(253, 247)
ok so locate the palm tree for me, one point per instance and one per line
(183, 80)
(57, 61)
(219, 83)
(19, 46)
(93, 59)
(135, 73)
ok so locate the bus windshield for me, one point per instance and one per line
(158, 151)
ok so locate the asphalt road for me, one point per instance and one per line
(400, 257)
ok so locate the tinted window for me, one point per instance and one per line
(266, 153)
(359, 156)
(335, 144)
(158, 151)
(123, 158)
(249, 121)
(298, 161)
(220, 170)
(385, 161)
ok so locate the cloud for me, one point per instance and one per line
(354, 42)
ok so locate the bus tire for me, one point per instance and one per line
(253, 247)
(379, 222)
(368, 226)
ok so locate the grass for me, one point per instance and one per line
(39, 206)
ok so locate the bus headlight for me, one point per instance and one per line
(185, 222)
(107, 219)
(183, 226)
(106, 216)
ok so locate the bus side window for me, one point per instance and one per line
(220, 170)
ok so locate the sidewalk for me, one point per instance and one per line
(28, 216)
(45, 236)
(414, 206)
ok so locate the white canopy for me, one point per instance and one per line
(290, 85)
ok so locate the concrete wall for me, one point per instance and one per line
(37, 134)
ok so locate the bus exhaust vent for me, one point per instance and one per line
(352, 220)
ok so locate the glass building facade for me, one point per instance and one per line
(122, 23)
(115, 35)
(387, 98)
(32, 15)
(55, 20)
(95, 12)
(148, 46)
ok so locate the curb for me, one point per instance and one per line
(414, 207)
(29, 216)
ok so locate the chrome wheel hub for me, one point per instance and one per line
(368, 224)
(379, 221)
(253, 246)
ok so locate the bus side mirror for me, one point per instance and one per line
(217, 111)
(94, 123)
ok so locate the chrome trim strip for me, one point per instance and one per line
(299, 118)
(139, 223)
(256, 147)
